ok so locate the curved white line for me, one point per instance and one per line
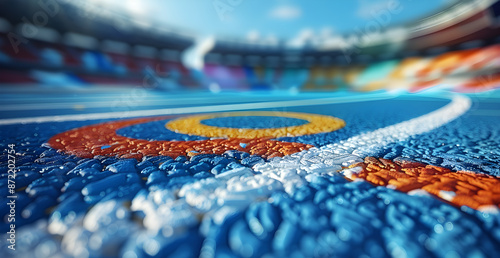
(219, 197)
(367, 143)
(401, 131)
(331, 158)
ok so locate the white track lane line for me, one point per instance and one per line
(220, 197)
(123, 101)
(118, 102)
(199, 109)
(333, 157)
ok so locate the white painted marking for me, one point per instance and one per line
(212, 196)
(200, 109)
(123, 100)
(350, 151)
(117, 102)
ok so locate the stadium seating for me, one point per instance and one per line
(104, 67)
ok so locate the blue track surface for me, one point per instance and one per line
(327, 216)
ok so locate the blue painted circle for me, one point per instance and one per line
(254, 122)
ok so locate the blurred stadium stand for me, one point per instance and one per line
(457, 47)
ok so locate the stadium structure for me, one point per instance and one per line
(86, 44)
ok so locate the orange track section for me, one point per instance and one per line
(459, 188)
(87, 142)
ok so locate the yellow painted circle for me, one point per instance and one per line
(317, 124)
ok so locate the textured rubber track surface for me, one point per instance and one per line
(409, 175)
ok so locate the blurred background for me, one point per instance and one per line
(243, 45)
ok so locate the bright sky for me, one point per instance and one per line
(284, 19)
